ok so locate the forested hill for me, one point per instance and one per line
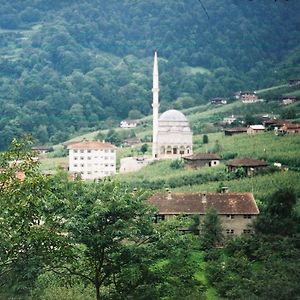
(68, 65)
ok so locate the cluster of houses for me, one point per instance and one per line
(172, 138)
(252, 97)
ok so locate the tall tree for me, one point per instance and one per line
(30, 237)
(118, 249)
(279, 216)
(211, 230)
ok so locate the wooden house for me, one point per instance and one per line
(254, 129)
(290, 128)
(218, 101)
(235, 130)
(287, 100)
(199, 160)
(294, 81)
(249, 165)
(247, 96)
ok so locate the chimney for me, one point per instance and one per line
(169, 196)
(224, 189)
(203, 198)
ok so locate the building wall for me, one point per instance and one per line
(202, 163)
(237, 223)
(254, 131)
(92, 164)
(232, 224)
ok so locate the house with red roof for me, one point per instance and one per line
(235, 210)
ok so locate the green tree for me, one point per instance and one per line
(205, 139)
(116, 245)
(113, 137)
(279, 216)
(144, 148)
(30, 237)
(211, 230)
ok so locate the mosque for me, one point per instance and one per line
(172, 136)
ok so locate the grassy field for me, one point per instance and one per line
(261, 186)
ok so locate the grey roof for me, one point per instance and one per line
(247, 162)
(172, 115)
(202, 156)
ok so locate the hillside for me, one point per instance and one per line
(76, 66)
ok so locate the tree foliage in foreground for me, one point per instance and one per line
(30, 235)
(211, 230)
(101, 233)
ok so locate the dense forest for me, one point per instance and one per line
(70, 66)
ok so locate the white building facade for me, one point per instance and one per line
(92, 159)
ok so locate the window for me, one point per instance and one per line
(159, 218)
(231, 217)
(75, 151)
(112, 165)
(229, 231)
(89, 151)
(81, 157)
(105, 150)
(247, 216)
(89, 172)
(75, 166)
(112, 151)
(89, 158)
(75, 157)
(81, 151)
(82, 165)
(246, 231)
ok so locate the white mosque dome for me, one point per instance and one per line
(173, 115)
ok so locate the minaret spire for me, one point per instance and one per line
(155, 105)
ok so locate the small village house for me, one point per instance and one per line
(294, 81)
(272, 123)
(236, 210)
(254, 129)
(229, 120)
(218, 101)
(247, 96)
(41, 150)
(287, 100)
(128, 123)
(130, 142)
(201, 160)
(290, 128)
(249, 165)
(235, 130)
(92, 159)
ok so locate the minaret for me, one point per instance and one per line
(155, 106)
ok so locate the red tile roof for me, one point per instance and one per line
(247, 162)
(192, 203)
(90, 145)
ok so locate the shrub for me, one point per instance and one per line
(177, 164)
